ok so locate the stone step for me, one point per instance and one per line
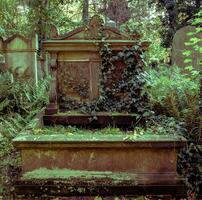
(93, 121)
(66, 182)
(97, 152)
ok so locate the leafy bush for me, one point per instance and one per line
(19, 103)
(21, 97)
(175, 94)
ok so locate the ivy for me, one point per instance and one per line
(121, 82)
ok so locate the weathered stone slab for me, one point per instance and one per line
(100, 153)
(20, 55)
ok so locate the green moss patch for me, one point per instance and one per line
(67, 174)
(61, 133)
(94, 138)
(79, 113)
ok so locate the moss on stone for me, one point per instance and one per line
(94, 138)
(68, 174)
(77, 113)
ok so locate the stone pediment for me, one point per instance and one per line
(93, 32)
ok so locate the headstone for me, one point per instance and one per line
(75, 62)
(178, 46)
(19, 55)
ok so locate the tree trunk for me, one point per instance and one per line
(198, 4)
(85, 11)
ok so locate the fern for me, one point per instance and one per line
(19, 103)
(175, 94)
(4, 104)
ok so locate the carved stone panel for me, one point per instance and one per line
(78, 80)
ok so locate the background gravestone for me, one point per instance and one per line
(178, 46)
(19, 55)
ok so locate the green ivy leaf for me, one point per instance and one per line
(189, 68)
(187, 53)
(188, 60)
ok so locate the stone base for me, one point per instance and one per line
(99, 120)
(51, 109)
(140, 186)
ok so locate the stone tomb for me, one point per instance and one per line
(75, 62)
(116, 164)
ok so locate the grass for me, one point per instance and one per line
(72, 130)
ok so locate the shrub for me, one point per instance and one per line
(175, 94)
(21, 97)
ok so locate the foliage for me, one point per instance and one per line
(11, 19)
(190, 157)
(176, 14)
(146, 21)
(175, 94)
(19, 103)
(126, 93)
(21, 97)
(189, 165)
(194, 42)
(27, 17)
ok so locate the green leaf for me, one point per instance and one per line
(187, 52)
(191, 33)
(188, 60)
(189, 68)
(4, 104)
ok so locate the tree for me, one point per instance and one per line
(85, 13)
(119, 11)
(177, 14)
(12, 17)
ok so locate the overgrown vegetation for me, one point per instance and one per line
(190, 158)
(19, 103)
(175, 94)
